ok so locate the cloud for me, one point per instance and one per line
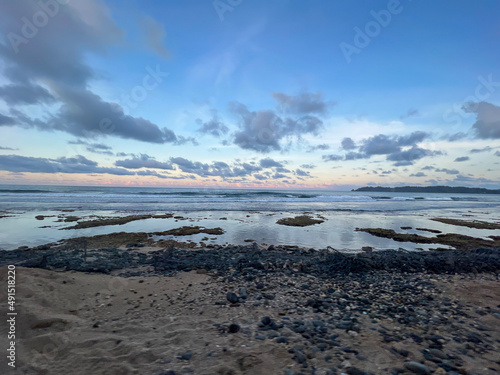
(478, 150)
(86, 114)
(487, 125)
(143, 161)
(497, 153)
(264, 130)
(323, 146)
(410, 113)
(407, 157)
(77, 30)
(151, 173)
(332, 157)
(302, 173)
(454, 137)
(447, 171)
(269, 163)
(308, 166)
(214, 126)
(97, 148)
(382, 144)
(6, 120)
(355, 155)
(7, 148)
(348, 144)
(418, 174)
(304, 103)
(77, 164)
(26, 93)
(154, 36)
(462, 158)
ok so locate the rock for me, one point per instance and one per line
(352, 333)
(232, 297)
(266, 320)
(282, 340)
(417, 368)
(346, 364)
(356, 371)
(243, 293)
(233, 328)
(186, 356)
(440, 371)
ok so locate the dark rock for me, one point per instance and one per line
(233, 328)
(266, 320)
(232, 297)
(186, 356)
(417, 368)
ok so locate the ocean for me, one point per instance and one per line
(245, 214)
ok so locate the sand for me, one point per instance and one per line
(83, 323)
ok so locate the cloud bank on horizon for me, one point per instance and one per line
(320, 95)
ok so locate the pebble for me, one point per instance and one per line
(232, 297)
(417, 368)
(233, 328)
(186, 356)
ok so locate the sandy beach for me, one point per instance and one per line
(283, 310)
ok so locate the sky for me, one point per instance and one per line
(254, 94)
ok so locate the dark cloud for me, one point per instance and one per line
(269, 163)
(143, 161)
(478, 150)
(26, 93)
(308, 166)
(462, 158)
(6, 120)
(86, 114)
(154, 36)
(264, 130)
(97, 148)
(151, 173)
(348, 144)
(447, 171)
(383, 145)
(332, 157)
(305, 103)
(57, 57)
(300, 172)
(77, 164)
(355, 155)
(214, 126)
(321, 147)
(497, 153)
(407, 157)
(418, 174)
(428, 168)
(487, 125)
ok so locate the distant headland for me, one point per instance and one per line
(428, 189)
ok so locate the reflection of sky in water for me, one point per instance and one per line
(338, 231)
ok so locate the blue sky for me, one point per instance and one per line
(243, 93)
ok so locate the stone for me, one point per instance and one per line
(232, 297)
(186, 356)
(417, 368)
(233, 328)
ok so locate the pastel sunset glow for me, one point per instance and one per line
(250, 94)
